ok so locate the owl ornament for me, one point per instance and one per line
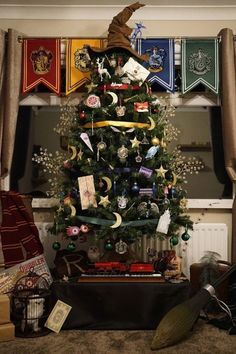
(93, 254)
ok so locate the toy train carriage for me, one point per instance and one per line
(111, 267)
(118, 267)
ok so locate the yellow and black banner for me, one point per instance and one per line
(78, 62)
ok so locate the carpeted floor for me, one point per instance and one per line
(204, 338)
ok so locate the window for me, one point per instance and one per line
(200, 136)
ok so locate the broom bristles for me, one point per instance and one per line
(177, 323)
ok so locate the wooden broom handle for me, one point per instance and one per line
(224, 276)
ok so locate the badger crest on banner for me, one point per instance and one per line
(82, 59)
(160, 60)
(200, 64)
(78, 62)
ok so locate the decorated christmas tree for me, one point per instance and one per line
(119, 180)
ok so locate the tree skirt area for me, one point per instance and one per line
(204, 338)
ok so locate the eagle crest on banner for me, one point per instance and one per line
(82, 59)
(156, 59)
(41, 60)
(199, 63)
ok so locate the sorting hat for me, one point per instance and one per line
(119, 32)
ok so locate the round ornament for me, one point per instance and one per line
(155, 141)
(84, 228)
(108, 245)
(56, 245)
(71, 246)
(122, 153)
(135, 188)
(121, 247)
(82, 115)
(93, 101)
(185, 236)
(174, 240)
(101, 146)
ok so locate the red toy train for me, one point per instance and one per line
(119, 267)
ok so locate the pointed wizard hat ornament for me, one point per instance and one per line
(119, 32)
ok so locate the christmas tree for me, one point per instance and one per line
(119, 180)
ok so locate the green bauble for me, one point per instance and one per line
(108, 245)
(56, 245)
(174, 240)
(185, 236)
(71, 246)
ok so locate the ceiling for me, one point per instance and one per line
(121, 2)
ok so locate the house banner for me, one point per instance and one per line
(41, 64)
(200, 64)
(160, 61)
(78, 62)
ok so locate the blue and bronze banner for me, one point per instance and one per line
(200, 64)
(41, 64)
(160, 61)
(78, 62)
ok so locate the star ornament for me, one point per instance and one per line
(91, 86)
(79, 155)
(161, 172)
(104, 201)
(135, 143)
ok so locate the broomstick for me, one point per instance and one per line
(176, 324)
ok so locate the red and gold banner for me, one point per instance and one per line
(41, 64)
(78, 62)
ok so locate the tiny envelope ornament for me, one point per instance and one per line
(135, 71)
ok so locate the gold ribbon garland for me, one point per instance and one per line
(107, 123)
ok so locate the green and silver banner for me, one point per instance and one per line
(200, 64)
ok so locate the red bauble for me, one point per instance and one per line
(82, 115)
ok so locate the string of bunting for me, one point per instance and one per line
(199, 64)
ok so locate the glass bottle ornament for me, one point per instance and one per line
(154, 190)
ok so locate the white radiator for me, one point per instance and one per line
(207, 237)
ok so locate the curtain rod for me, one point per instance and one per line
(21, 38)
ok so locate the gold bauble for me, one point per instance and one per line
(155, 141)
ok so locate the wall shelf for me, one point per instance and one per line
(196, 147)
